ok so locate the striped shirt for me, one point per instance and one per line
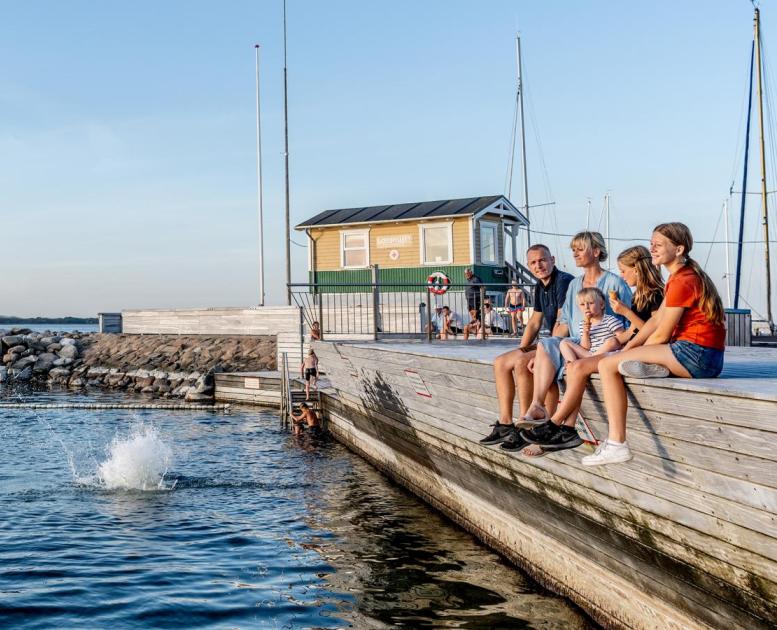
(602, 331)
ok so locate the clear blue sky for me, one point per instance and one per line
(127, 146)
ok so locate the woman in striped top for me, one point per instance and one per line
(598, 330)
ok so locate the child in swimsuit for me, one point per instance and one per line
(309, 371)
(515, 301)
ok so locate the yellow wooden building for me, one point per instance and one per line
(409, 241)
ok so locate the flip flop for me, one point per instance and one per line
(533, 451)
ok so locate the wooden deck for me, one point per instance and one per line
(685, 535)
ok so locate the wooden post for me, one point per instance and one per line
(375, 301)
(483, 311)
(429, 332)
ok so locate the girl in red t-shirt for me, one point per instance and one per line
(685, 338)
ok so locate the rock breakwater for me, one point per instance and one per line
(167, 366)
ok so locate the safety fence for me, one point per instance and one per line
(374, 310)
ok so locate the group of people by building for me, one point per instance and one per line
(447, 324)
(598, 325)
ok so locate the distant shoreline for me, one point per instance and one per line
(4, 320)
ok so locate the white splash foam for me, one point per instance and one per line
(137, 462)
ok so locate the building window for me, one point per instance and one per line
(436, 244)
(355, 249)
(488, 241)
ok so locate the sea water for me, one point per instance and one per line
(119, 519)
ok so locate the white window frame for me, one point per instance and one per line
(422, 241)
(495, 226)
(366, 234)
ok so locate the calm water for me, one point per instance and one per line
(248, 527)
(52, 327)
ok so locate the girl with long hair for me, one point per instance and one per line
(686, 338)
(637, 271)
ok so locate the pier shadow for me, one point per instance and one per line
(381, 397)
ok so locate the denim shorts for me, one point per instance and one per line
(700, 361)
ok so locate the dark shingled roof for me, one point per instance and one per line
(402, 211)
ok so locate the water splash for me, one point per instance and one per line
(139, 461)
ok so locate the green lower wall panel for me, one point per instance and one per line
(395, 279)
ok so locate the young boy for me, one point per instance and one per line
(597, 330)
(515, 301)
(306, 418)
(309, 371)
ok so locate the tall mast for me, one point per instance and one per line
(728, 274)
(259, 183)
(740, 240)
(764, 204)
(607, 227)
(523, 135)
(286, 160)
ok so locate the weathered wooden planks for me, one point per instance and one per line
(692, 504)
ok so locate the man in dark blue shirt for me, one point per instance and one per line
(472, 290)
(549, 296)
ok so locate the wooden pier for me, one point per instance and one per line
(683, 536)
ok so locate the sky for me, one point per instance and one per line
(128, 147)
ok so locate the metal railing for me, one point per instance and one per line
(377, 310)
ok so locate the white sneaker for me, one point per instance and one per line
(638, 369)
(608, 453)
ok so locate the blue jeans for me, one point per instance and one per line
(700, 361)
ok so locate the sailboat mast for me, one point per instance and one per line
(523, 135)
(607, 226)
(286, 159)
(764, 197)
(743, 203)
(728, 274)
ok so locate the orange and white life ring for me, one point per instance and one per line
(438, 282)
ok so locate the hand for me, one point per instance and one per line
(618, 307)
(530, 365)
(587, 325)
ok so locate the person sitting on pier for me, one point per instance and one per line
(638, 271)
(307, 419)
(475, 326)
(686, 338)
(515, 301)
(309, 371)
(493, 320)
(589, 251)
(509, 367)
(437, 322)
(451, 323)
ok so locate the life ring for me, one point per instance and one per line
(438, 282)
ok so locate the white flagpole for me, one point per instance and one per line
(259, 183)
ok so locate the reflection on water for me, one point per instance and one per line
(260, 530)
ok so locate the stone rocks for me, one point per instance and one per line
(44, 363)
(23, 363)
(169, 366)
(13, 340)
(69, 351)
(23, 375)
